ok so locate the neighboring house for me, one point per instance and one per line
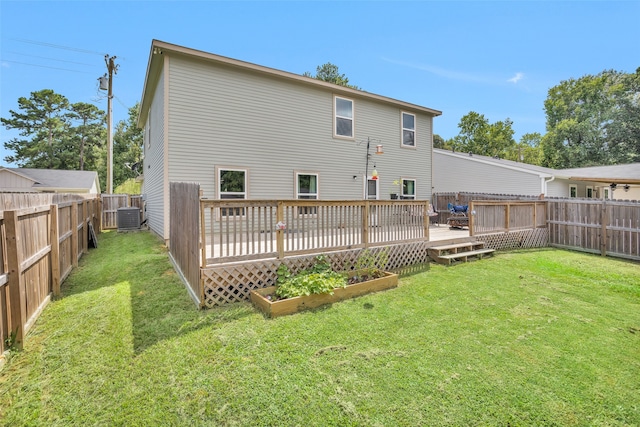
(457, 172)
(24, 180)
(245, 131)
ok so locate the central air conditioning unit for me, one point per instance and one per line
(128, 219)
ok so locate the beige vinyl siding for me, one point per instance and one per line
(455, 173)
(154, 163)
(10, 181)
(271, 126)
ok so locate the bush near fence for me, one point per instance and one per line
(43, 237)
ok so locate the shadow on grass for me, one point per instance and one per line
(160, 306)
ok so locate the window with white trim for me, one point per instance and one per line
(343, 117)
(408, 189)
(573, 191)
(307, 189)
(590, 194)
(232, 184)
(408, 130)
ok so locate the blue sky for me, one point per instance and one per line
(495, 58)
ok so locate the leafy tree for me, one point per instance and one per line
(330, 73)
(593, 120)
(87, 138)
(527, 150)
(438, 141)
(478, 136)
(127, 148)
(42, 126)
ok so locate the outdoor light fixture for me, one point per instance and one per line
(626, 188)
(613, 185)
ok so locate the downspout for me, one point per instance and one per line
(545, 183)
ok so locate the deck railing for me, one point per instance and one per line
(235, 230)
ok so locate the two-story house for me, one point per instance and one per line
(246, 131)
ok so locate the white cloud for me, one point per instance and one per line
(516, 78)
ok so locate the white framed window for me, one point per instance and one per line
(371, 188)
(590, 193)
(232, 184)
(343, 123)
(408, 130)
(306, 189)
(408, 189)
(573, 190)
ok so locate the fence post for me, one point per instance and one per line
(507, 216)
(17, 293)
(74, 234)
(55, 251)
(85, 228)
(280, 232)
(603, 233)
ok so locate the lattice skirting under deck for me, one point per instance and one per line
(234, 282)
(524, 239)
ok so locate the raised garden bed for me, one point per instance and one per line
(274, 308)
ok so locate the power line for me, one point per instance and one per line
(57, 46)
(51, 59)
(44, 66)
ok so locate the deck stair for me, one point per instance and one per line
(463, 252)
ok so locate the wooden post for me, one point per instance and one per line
(507, 215)
(85, 228)
(74, 234)
(425, 220)
(99, 212)
(471, 215)
(55, 251)
(603, 233)
(279, 232)
(15, 282)
(365, 223)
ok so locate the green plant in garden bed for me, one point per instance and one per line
(319, 279)
(369, 266)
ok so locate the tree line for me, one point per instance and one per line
(56, 134)
(593, 120)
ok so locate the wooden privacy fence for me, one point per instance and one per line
(442, 200)
(112, 202)
(40, 246)
(184, 234)
(606, 227)
(237, 230)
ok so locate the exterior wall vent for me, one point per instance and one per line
(128, 219)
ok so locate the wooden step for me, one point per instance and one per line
(436, 251)
(463, 256)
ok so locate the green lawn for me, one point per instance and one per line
(539, 337)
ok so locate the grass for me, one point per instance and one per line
(539, 337)
(130, 186)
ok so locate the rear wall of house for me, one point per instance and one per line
(232, 118)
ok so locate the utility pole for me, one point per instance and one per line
(112, 69)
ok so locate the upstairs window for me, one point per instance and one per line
(408, 130)
(343, 117)
(409, 189)
(232, 184)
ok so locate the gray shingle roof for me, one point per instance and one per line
(55, 178)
